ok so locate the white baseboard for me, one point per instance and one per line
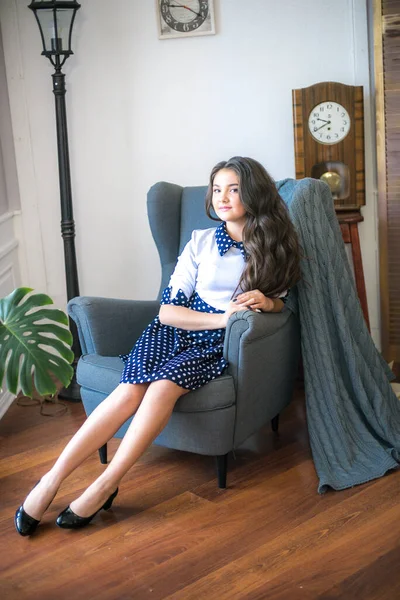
(6, 399)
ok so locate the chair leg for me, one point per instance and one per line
(275, 423)
(222, 465)
(103, 454)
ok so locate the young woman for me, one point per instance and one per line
(249, 261)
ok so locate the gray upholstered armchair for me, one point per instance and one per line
(262, 349)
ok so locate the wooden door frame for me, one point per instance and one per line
(381, 176)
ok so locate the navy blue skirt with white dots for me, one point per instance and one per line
(188, 358)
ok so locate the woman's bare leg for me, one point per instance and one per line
(150, 419)
(98, 428)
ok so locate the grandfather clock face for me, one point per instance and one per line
(329, 122)
(329, 139)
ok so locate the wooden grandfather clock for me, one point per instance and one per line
(329, 145)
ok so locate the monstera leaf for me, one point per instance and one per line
(33, 344)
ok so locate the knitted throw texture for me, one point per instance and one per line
(353, 415)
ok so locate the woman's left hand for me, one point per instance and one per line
(256, 301)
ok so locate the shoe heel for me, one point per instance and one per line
(107, 505)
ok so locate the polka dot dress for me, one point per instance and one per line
(188, 358)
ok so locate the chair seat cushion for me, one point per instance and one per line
(102, 374)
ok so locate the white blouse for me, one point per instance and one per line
(201, 268)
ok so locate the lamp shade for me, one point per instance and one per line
(55, 19)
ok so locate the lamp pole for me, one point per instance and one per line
(55, 19)
(67, 217)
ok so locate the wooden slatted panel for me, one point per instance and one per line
(387, 75)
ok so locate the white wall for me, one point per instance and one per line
(9, 192)
(9, 203)
(141, 110)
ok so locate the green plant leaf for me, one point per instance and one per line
(33, 344)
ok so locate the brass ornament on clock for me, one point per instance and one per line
(329, 140)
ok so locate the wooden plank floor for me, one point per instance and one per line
(172, 534)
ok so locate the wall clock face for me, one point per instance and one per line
(329, 122)
(185, 18)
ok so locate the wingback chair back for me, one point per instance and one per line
(174, 212)
(262, 349)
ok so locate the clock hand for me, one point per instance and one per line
(318, 119)
(324, 125)
(177, 5)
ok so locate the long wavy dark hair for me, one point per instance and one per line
(269, 237)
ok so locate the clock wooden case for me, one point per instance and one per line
(329, 139)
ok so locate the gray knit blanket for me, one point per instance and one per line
(353, 414)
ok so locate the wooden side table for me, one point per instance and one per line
(348, 222)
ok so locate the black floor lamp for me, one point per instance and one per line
(56, 19)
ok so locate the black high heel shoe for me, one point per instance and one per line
(67, 519)
(24, 523)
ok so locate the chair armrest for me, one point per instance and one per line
(108, 326)
(263, 353)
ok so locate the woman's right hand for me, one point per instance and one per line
(232, 308)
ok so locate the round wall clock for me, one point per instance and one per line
(329, 139)
(186, 18)
(329, 122)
